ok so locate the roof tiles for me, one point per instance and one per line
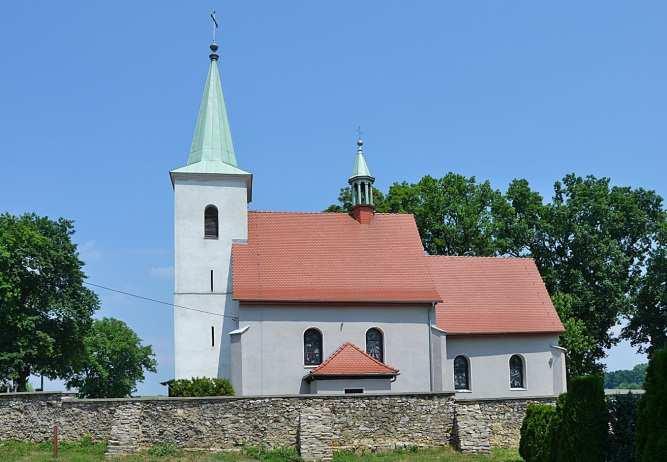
(486, 295)
(330, 257)
(350, 360)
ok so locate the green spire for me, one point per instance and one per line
(360, 166)
(212, 140)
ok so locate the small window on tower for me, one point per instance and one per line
(211, 222)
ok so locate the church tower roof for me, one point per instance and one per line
(212, 150)
(360, 167)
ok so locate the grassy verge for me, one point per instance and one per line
(86, 451)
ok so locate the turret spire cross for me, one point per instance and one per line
(215, 24)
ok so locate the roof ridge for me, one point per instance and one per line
(482, 257)
(306, 212)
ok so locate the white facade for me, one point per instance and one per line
(489, 356)
(202, 271)
(270, 353)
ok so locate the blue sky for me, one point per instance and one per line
(98, 102)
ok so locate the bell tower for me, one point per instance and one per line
(211, 196)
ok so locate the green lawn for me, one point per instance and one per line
(90, 452)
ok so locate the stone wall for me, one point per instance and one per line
(317, 425)
(490, 423)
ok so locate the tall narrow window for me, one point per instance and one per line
(211, 280)
(516, 372)
(211, 222)
(312, 347)
(212, 336)
(375, 344)
(461, 373)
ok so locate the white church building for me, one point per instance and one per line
(294, 303)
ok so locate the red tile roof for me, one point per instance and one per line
(330, 257)
(350, 360)
(486, 295)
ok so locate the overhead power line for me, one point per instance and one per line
(141, 297)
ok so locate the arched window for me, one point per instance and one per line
(211, 222)
(516, 372)
(461, 373)
(375, 344)
(312, 347)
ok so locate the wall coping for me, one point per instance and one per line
(70, 398)
(512, 398)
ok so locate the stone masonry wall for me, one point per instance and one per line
(490, 423)
(318, 425)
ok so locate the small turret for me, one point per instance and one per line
(361, 183)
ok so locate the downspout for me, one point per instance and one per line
(430, 349)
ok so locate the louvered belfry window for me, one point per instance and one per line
(211, 222)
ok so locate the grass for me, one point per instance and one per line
(87, 451)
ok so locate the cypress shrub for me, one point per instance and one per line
(582, 430)
(201, 386)
(652, 414)
(622, 424)
(535, 444)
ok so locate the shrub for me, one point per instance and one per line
(535, 444)
(622, 423)
(581, 434)
(201, 386)
(163, 450)
(263, 454)
(652, 413)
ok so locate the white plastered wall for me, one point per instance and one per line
(338, 386)
(195, 354)
(489, 357)
(271, 350)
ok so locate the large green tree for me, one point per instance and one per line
(115, 361)
(647, 327)
(45, 309)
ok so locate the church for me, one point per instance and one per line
(337, 303)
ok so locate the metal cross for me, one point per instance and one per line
(215, 24)
(359, 132)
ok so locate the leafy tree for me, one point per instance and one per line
(582, 422)
(115, 361)
(45, 309)
(594, 242)
(633, 378)
(648, 315)
(537, 433)
(651, 423)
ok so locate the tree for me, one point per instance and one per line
(648, 315)
(45, 309)
(593, 244)
(537, 433)
(651, 443)
(633, 378)
(115, 361)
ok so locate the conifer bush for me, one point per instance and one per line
(536, 433)
(652, 414)
(201, 386)
(582, 432)
(622, 425)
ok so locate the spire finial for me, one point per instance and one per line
(360, 141)
(214, 46)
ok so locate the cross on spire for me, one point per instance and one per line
(215, 24)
